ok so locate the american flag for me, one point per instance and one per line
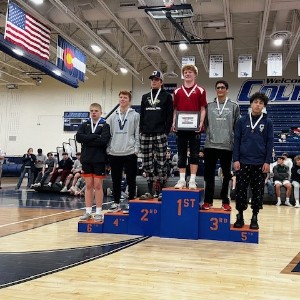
(27, 32)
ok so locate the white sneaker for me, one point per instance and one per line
(278, 203)
(297, 205)
(85, 217)
(180, 184)
(49, 184)
(98, 218)
(114, 208)
(64, 190)
(287, 203)
(192, 185)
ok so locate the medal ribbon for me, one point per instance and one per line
(218, 105)
(153, 101)
(126, 114)
(256, 123)
(94, 127)
(189, 94)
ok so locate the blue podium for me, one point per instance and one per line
(176, 216)
(179, 213)
(115, 223)
(144, 217)
(214, 224)
(90, 226)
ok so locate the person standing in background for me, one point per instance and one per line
(94, 136)
(29, 160)
(123, 148)
(221, 117)
(190, 97)
(155, 125)
(39, 164)
(2, 157)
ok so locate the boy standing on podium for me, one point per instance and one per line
(189, 98)
(94, 136)
(252, 155)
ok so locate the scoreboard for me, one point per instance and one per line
(72, 119)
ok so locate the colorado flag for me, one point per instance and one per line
(70, 59)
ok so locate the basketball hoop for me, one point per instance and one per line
(168, 3)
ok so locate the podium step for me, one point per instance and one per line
(176, 216)
(115, 223)
(90, 226)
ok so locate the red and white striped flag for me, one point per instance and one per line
(27, 32)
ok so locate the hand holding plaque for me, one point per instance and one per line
(187, 120)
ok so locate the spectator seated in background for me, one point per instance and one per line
(270, 185)
(175, 169)
(39, 163)
(296, 179)
(281, 178)
(63, 170)
(79, 188)
(48, 169)
(75, 174)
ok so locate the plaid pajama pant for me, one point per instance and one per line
(153, 147)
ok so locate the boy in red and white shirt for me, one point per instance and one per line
(190, 97)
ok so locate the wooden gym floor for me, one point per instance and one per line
(42, 256)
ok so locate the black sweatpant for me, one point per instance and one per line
(211, 156)
(253, 175)
(127, 163)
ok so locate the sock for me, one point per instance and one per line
(287, 200)
(278, 199)
(193, 177)
(182, 176)
(88, 210)
(98, 210)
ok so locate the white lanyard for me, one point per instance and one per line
(153, 101)
(94, 127)
(189, 94)
(126, 114)
(218, 105)
(256, 123)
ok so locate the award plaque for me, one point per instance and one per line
(187, 120)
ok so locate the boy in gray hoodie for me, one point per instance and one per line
(221, 117)
(123, 148)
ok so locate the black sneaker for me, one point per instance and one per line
(239, 223)
(253, 223)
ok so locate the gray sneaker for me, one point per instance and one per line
(98, 218)
(85, 217)
(114, 208)
(126, 209)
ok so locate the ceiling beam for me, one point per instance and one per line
(64, 35)
(292, 48)
(93, 35)
(263, 33)
(161, 35)
(228, 24)
(127, 33)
